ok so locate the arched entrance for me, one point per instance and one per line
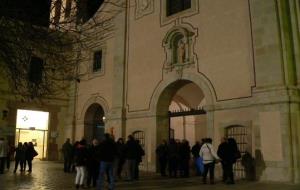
(94, 125)
(181, 96)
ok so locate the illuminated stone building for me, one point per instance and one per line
(192, 69)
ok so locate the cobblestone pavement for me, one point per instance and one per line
(49, 175)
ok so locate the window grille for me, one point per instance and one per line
(240, 134)
(140, 136)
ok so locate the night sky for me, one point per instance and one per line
(31, 11)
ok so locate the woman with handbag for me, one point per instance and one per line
(210, 157)
(30, 154)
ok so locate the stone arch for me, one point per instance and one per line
(167, 89)
(199, 79)
(95, 99)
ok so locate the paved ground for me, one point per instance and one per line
(49, 175)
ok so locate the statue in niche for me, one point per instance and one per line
(181, 52)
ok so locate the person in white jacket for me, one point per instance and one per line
(210, 157)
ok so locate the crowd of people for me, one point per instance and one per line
(105, 160)
(102, 160)
(175, 156)
(24, 154)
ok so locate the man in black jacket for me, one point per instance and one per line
(108, 152)
(162, 154)
(222, 153)
(67, 150)
(132, 150)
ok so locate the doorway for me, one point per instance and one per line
(94, 125)
(180, 113)
(32, 126)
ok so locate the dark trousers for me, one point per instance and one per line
(29, 162)
(224, 177)
(120, 167)
(173, 167)
(2, 164)
(19, 162)
(210, 167)
(67, 164)
(106, 167)
(92, 175)
(228, 172)
(8, 162)
(163, 166)
(23, 165)
(131, 164)
(136, 170)
(184, 168)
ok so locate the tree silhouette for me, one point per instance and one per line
(41, 42)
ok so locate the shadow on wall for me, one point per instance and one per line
(259, 163)
(254, 167)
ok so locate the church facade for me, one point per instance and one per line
(227, 68)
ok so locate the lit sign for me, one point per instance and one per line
(26, 119)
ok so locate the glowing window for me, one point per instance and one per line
(28, 119)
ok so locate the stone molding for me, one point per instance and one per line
(143, 8)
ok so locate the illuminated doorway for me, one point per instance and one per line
(32, 126)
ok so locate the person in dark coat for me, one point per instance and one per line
(184, 158)
(121, 151)
(19, 157)
(30, 153)
(80, 158)
(162, 154)
(173, 158)
(139, 158)
(23, 165)
(131, 157)
(74, 148)
(195, 152)
(10, 153)
(92, 164)
(229, 152)
(222, 153)
(108, 152)
(232, 156)
(67, 150)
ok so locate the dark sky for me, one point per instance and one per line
(32, 11)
